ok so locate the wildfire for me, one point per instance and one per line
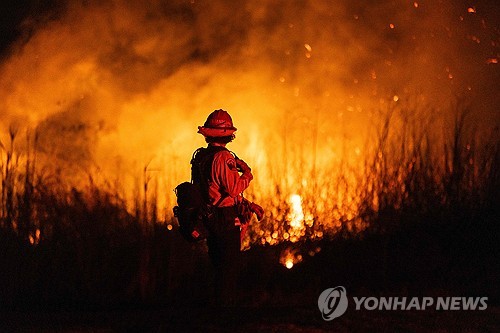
(115, 91)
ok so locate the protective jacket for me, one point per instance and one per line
(219, 176)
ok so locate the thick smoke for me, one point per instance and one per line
(114, 86)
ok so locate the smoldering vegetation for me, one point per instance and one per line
(422, 219)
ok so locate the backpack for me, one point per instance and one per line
(193, 208)
(189, 212)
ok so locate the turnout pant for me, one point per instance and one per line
(224, 251)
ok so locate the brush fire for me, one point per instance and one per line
(337, 103)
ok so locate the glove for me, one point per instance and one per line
(242, 166)
(258, 210)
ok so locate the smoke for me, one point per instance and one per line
(116, 86)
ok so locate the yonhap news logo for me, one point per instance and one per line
(333, 302)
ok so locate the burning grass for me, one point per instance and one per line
(420, 187)
(412, 168)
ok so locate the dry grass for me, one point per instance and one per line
(419, 212)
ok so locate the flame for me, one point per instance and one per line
(297, 219)
(115, 91)
(296, 216)
(290, 257)
(34, 239)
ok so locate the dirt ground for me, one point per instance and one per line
(240, 319)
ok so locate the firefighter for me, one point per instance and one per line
(223, 178)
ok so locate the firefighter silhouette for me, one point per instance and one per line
(223, 177)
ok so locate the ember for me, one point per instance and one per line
(290, 257)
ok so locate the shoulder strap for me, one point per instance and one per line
(195, 164)
(201, 167)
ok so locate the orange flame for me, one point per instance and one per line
(290, 257)
(114, 91)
